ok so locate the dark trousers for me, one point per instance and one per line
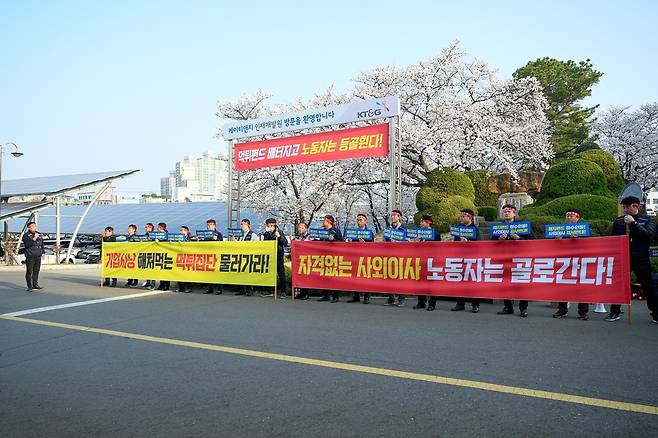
(281, 274)
(474, 301)
(583, 308)
(523, 304)
(642, 269)
(32, 268)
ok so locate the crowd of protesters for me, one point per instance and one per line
(640, 228)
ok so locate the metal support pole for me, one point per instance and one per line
(395, 167)
(58, 229)
(82, 218)
(229, 195)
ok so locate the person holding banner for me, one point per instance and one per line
(509, 216)
(108, 236)
(185, 287)
(132, 237)
(148, 229)
(470, 234)
(215, 234)
(273, 232)
(361, 225)
(640, 229)
(302, 293)
(246, 236)
(334, 235)
(396, 224)
(427, 222)
(571, 217)
(164, 284)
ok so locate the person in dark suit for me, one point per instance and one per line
(33, 243)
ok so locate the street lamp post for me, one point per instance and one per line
(16, 153)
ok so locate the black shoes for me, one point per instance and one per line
(366, 299)
(612, 317)
(458, 307)
(506, 311)
(523, 313)
(390, 301)
(431, 308)
(583, 316)
(560, 314)
(219, 291)
(208, 291)
(334, 300)
(475, 308)
(37, 287)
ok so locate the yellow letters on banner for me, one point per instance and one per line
(245, 263)
(393, 268)
(325, 265)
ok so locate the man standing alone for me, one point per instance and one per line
(33, 242)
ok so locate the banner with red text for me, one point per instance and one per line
(245, 263)
(367, 141)
(593, 270)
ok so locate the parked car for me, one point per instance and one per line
(94, 257)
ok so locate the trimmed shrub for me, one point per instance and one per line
(573, 177)
(446, 212)
(610, 168)
(442, 183)
(480, 180)
(592, 207)
(490, 213)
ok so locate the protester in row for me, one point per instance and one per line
(108, 236)
(164, 284)
(361, 224)
(427, 222)
(572, 216)
(640, 229)
(132, 237)
(148, 230)
(333, 235)
(183, 286)
(246, 236)
(273, 232)
(211, 225)
(303, 293)
(466, 217)
(395, 224)
(33, 243)
(509, 216)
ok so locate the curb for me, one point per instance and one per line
(73, 267)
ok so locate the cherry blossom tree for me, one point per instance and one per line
(632, 138)
(455, 112)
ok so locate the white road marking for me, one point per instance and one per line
(83, 303)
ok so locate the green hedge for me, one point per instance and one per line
(480, 180)
(610, 168)
(442, 183)
(592, 207)
(573, 177)
(446, 212)
(490, 213)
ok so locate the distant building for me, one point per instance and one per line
(197, 179)
(652, 200)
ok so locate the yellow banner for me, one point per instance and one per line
(245, 263)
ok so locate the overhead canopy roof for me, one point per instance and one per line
(13, 209)
(119, 216)
(54, 185)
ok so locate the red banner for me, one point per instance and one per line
(590, 270)
(368, 141)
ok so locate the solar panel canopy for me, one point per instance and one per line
(13, 209)
(52, 185)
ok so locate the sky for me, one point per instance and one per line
(98, 86)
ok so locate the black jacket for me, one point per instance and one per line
(33, 247)
(281, 242)
(640, 233)
(247, 237)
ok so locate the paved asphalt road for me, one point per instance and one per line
(66, 382)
